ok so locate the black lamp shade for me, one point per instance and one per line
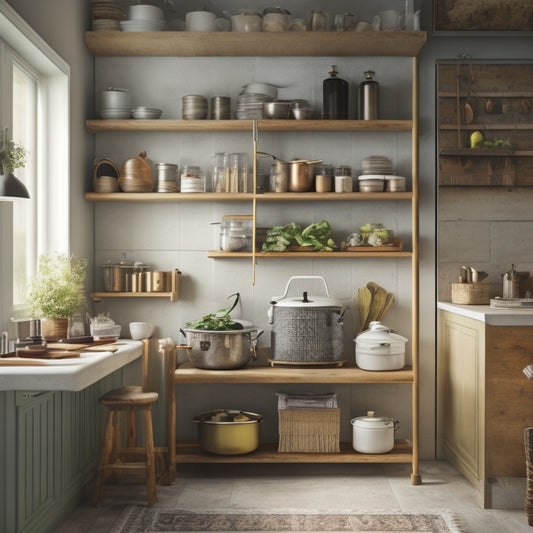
(12, 187)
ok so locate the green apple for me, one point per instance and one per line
(476, 139)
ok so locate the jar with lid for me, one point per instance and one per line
(368, 98)
(324, 178)
(335, 97)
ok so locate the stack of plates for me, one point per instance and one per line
(194, 107)
(192, 184)
(144, 18)
(377, 164)
(142, 25)
(146, 112)
(115, 113)
(250, 105)
(106, 15)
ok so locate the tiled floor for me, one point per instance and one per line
(303, 486)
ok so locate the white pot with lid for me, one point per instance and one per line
(373, 434)
(379, 349)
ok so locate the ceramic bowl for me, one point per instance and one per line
(141, 330)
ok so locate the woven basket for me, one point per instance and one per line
(309, 430)
(470, 293)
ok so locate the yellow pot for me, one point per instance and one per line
(228, 432)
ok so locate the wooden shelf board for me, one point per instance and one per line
(484, 152)
(218, 254)
(267, 453)
(235, 44)
(96, 126)
(483, 127)
(241, 197)
(100, 295)
(257, 373)
(487, 94)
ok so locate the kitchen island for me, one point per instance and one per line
(52, 430)
(484, 400)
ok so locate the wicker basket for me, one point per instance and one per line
(470, 293)
(309, 430)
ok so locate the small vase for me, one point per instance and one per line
(53, 329)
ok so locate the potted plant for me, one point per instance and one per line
(57, 292)
(12, 156)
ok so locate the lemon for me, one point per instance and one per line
(476, 139)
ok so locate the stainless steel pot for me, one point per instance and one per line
(306, 329)
(222, 350)
(228, 432)
(299, 172)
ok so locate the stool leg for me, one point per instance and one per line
(103, 473)
(150, 456)
(131, 429)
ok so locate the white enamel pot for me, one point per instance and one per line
(379, 349)
(373, 434)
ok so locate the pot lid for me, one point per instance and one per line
(373, 422)
(306, 300)
(379, 333)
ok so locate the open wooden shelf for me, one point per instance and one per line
(484, 152)
(239, 44)
(218, 254)
(172, 294)
(261, 373)
(242, 197)
(267, 453)
(96, 126)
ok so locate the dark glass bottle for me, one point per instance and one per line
(335, 97)
(368, 98)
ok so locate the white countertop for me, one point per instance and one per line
(69, 374)
(491, 316)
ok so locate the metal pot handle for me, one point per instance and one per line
(253, 343)
(277, 298)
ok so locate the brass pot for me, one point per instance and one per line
(228, 432)
(136, 175)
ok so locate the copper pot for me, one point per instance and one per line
(136, 175)
(301, 175)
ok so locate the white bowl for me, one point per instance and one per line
(141, 330)
(145, 12)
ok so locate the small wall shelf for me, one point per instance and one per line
(172, 294)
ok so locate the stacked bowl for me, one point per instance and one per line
(194, 107)
(144, 17)
(375, 168)
(115, 104)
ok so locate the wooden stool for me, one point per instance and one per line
(127, 401)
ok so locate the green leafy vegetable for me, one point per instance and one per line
(218, 321)
(318, 236)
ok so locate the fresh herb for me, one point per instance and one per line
(218, 321)
(11, 157)
(318, 236)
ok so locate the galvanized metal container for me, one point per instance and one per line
(306, 329)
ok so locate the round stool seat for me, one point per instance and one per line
(126, 396)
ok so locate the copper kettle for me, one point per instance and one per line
(136, 175)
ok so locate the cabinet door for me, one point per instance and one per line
(460, 393)
(38, 457)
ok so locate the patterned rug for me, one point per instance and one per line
(152, 520)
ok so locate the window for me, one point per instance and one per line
(33, 87)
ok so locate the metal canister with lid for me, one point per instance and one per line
(368, 97)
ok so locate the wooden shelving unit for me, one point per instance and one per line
(229, 44)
